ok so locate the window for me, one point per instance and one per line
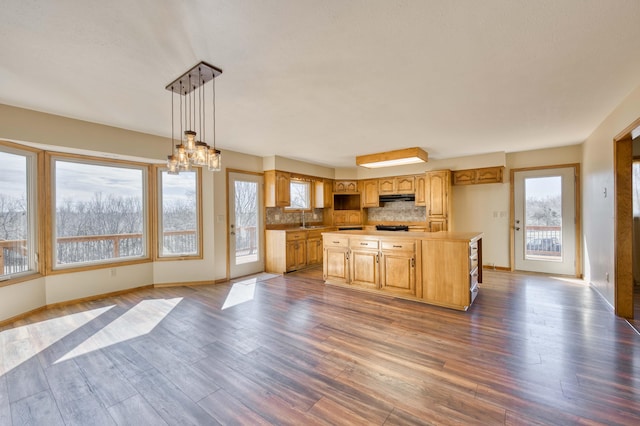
(300, 195)
(99, 212)
(17, 213)
(179, 215)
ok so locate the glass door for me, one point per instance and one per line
(545, 220)
(246, 224)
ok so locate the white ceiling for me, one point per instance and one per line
(326, 80)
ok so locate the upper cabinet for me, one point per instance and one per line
(421, 196)
(345, 186)
(277, 188)
(477, 176)
(397, 185)
(323, 197)
(370, 195)
(438, 184)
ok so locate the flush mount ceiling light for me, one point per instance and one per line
(393, 158)
(192, 151)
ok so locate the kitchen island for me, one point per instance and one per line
(439, 268)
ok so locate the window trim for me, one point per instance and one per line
(309, 196)
(35, 193)
(49, 223)
(157, 218)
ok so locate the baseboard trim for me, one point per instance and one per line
(97, 296)
(496, 268)
(187, 284)
(21, 316)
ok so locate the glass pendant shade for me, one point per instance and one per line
(190, 142)
(172, 164)
(199, 157)
(215, 160)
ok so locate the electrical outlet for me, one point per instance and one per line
(113, 272)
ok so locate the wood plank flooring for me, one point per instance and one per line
(531, 350)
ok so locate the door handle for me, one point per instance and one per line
(517, 228)
(232, 233)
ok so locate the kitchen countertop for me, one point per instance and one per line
(443, 235)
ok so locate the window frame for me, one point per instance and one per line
(50, 207)
(309, 196)
(158, 214)
(35, 214)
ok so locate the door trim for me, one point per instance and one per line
(623, 221)
(226, 231)
(578, 213)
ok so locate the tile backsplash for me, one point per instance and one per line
(398, 211)
(279, 216)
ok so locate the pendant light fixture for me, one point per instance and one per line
(192, 151)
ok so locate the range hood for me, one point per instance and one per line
(397, 197)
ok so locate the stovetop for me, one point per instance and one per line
(392, 227)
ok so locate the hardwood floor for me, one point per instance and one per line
(531, 350)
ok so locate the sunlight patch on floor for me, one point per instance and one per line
(240, 292)
(19, 344)
(136, 322)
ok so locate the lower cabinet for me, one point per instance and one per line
(442, 269)
(335, 266)
(314, 251)
(296, 255)
(290, 250)
(398, 267)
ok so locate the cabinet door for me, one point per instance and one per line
(283, 189)
(421, 196)
(386, 186)
(336, 264)
(346, 186)
(292, 255)
(398, 273)
(370, 197)
(354, 217)
(490, 175)
(364, 265)
(464, 177)
(438, 184)
(339, 217)
(314, 251)
(328, 193)
(437, 225)
(405, 185)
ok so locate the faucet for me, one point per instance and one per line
(302, 214)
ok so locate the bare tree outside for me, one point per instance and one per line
(300, 195)
(246, 210)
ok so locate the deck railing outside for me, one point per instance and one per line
(543, 240)
(14, 257)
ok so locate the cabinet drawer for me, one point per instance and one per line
(473, 279)
(473, 248)
(473, 262)
(296, 236)
(399, 245)
(368, 244)
(331, 241)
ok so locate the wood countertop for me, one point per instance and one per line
(444, 235)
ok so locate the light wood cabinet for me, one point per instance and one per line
(296, 251)
(277, 189)
(364, 258)
(396, 185)
(398, 267)
(421, 196)
(442, 269)
(323, 194)
(437, 189)
(314, 247)
(451, 271)
(345, 186)
(479, 176)
(347, 217)
(335, 265)
(370, 195)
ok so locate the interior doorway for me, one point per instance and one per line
(623, 210)
(545, 220)
(246, 223)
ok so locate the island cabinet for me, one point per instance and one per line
(398, 267)
(335, 265)
(451, 270)
(364, 262)
(442, 268)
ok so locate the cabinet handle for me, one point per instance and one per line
(413, 262)
(364, 244)
(397, 246)
(377, 258)
(336, 242)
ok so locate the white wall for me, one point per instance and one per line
(598, 209)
